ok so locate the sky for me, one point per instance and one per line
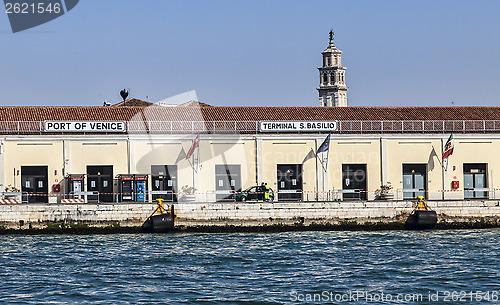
(256, 53)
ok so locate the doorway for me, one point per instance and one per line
(100, 179)
(354, 181)
(227, 181)
(34, 182)
(164, 179)
(414, 181)
(475, 185)
(290, 182)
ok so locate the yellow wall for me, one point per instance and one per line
(473, 150)
(230, 152)
(102, 152)
(213, 151)
(276, 151)
(162, 152)
(33, 153)
(425, 151)
(361, 151)
(258, 159)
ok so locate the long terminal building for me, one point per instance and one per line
(139, 151)
(369, 147)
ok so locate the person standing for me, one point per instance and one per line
(266, 194)
(261, 190)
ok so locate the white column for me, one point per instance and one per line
(383, 161)
(67, 159)
(197, 171)
(132, 166)
(258, 161)
(2, 163)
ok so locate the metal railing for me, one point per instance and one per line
(169, 127)
(433, 126)
(305, 196)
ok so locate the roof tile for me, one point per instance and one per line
(231, 113)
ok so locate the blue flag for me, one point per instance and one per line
(325, 146)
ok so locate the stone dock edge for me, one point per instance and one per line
(230, 217)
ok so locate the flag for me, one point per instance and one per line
(448, 147)
(193, 147)
(325, 146)
(430, 162)
(182, 155)
(310, 155)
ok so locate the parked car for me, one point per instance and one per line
(253, 193)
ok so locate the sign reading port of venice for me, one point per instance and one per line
(84, 126)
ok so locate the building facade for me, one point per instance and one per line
(137, 151)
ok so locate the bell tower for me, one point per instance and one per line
(332, 89)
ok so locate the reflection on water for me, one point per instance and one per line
(243, 268)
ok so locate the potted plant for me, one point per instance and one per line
(187, 193)
(11, 192)
(384, 192)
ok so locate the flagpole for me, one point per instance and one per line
(324, 176)
(443, 171)
(317, 177)
(328, 151)
(324, 147)
(192, 166)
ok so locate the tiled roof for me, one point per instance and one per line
(133, 102)
(195, 104)
(352, 113)
(226, 113)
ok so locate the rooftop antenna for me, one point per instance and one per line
(124, 94)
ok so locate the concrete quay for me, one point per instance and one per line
(220, 214)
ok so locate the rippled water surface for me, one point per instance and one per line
(251, 268)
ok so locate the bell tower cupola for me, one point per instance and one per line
(332, 88)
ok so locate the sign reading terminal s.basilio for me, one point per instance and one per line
(84, 126)
(298, 126)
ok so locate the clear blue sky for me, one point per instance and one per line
(265, 53)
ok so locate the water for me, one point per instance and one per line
(280, 268)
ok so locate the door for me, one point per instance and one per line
(100, 179)
(414, 181)
(475, 185)
(164, 179)
(34, 182)
(253, 194)
(227, 181)
(289, 182)
(354, 181)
